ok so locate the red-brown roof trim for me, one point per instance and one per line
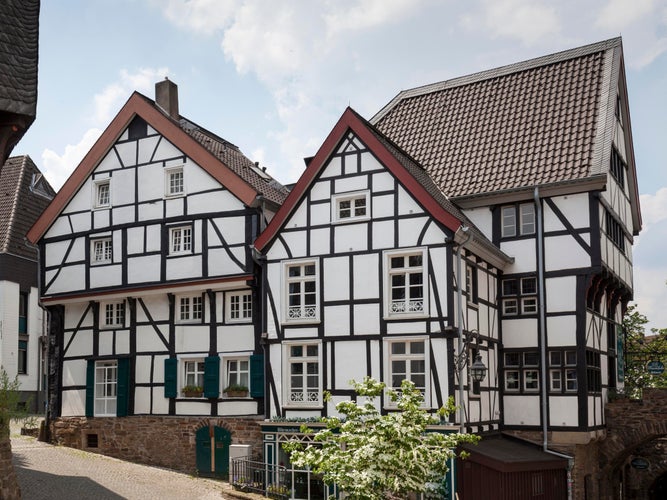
(138, 105)
(352, 122)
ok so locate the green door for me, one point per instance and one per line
(213, 451)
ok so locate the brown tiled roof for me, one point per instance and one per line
(532, 123)
(231, 155)
(18, 56)
(24, 194)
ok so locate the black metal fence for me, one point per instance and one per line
(259, 477)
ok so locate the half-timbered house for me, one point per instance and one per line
(24, 194)
(539, 155)
(362, 264)
(151, 289)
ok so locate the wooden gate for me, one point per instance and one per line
(213, 451)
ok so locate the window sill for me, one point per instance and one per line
(349, 220)
(401, 316)
(308, 321)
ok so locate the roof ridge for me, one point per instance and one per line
(505, 70)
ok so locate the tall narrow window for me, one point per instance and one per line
(517, 220)
(114, 314)
(301, 291)
(180, 240)
(106, 382)
(406, 278)
(239, 306)
(303, 384)
(190, 308)
(238, 372)
(101, 251)
(174, 185)
(193, 373)
(102, 193)
(23, 357)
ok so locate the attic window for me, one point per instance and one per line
(173, 182)
(138, 128)
(349, 207)
(102, 193)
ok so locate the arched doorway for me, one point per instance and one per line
(658, 489)
(213, 451)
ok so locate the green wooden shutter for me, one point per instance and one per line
(170, 378)
(212, 377)
(90, 388)
(257, 376)
(123, 387)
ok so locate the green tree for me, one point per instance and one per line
(639, 350)
(9, 402)
(373, 456)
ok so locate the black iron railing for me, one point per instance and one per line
(259, 477)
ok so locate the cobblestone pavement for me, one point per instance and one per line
(52, 472)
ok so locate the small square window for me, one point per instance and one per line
(510, 287)
(510, 307)
(531, 380)
(349, 207)
(512, 358)
(531, 358)
(511, 380)
(180, 240)
(555, 358)
(102, 193)
(529, 305)
(101, 251)
(528, 286)
(174, 184)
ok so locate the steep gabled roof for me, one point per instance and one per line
(546, 121)
(221, 159)
(24, 194)
(411, 175)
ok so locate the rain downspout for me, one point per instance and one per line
(543, 339)
(459, 320)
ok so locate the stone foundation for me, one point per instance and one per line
(152, 440)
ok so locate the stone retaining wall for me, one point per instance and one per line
(152, 440)
(9, 486)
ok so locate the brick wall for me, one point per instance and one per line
(9, 486)
(152, 440)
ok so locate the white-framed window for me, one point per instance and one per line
(237, 372)
(521, 371)
(193, 373)
(113, 314)
(563, 371)
(517, 220)
(102, 193)
(106, 388)
(174, 184)
(406, 283)
(303, 384)
(519, 296)
(190, 308)
(101, 251)
(407, 360)
(471, 284)
(349, 207)
(239, 306)
(180, 240)
(301, 290)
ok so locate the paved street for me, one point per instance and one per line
(55, 472)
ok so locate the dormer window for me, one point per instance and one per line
(174, 185)
(102, 193)
(348, 207)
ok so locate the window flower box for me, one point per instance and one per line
(236, 391)
(192, 391)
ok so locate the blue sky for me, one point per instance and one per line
(273, 76)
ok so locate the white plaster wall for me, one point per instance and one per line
(383, 234)
(560, 292)
(148, 340)
(352, 183)
(160, 403)
(409, 231)
(564, 252)
(101, 276)
(124, 188)
(320, 191)
(320, 213)
(366, 318)
(351, 238)
(523, 252)
(299, 217)
(142, 369)
(319, 241)
(332, 169)
(233, 338)
(73, 403)
(521, 410)
(482, 218)
(183, 267)
(562, 330)
(563, 411)
(150, 211)
(398, 327)
(519, 332)
(142, 400)
(73, 278)
(336, 278)
(370, 163)
(296, 242)
(192, 338)
(165, 150)
(146, 148)
(575, 209)
(366, 279)
(406, 203)
(9, 322)
(82, 345)
(336, 320)
(383, 206)
(351, 363)
(383, 181)
(232, 408)
(74, 372)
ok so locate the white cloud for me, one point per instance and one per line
(201, 16)
(108, 102)
(618, 14)
(525, 20)
(653, 207)
(57, 168)
(360, 15)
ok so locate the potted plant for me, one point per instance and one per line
(236, 391)
(193, 391)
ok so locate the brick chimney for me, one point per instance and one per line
(166, 96)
